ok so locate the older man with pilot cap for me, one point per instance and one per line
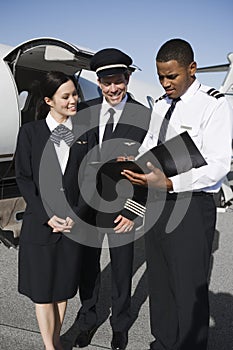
(121, 124)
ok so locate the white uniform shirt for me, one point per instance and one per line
(63, 150)
(208, 120)
(104, 116)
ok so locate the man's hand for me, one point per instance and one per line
(124, 158)
(155, 179)
(124, 224)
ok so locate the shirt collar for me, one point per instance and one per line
(119, 107)
(52, 123)
(194, 87)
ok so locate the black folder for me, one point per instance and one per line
(175, 156)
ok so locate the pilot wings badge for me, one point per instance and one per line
(129, 143)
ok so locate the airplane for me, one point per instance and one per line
(227, 85)
(224, 197)
(26, 63)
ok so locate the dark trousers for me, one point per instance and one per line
(178, 250)
(121, 257)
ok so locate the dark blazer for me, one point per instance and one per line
(132, 126)
(127, 138)
(46, 190)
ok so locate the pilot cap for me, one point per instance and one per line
(109, 62)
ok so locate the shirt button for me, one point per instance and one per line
(62, 189)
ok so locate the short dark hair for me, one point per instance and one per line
(176, 49)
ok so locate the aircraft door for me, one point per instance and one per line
(9, 113)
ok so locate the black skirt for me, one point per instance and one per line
(49, 273)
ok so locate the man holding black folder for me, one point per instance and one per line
(121, 124)
(181, 214)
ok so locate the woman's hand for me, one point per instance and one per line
(124, 224)
(60, 225)
(70, 224)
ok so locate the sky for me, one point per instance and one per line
(137, 27)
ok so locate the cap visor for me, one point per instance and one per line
(111, 71)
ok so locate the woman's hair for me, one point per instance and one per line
(48, 87)
(178, 50)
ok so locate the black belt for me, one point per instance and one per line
(177, 195)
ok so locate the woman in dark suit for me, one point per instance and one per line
(48, 158)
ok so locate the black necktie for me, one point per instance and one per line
(109, 126)
(165, 122)
(61, 132)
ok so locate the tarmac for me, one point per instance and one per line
(18, 325)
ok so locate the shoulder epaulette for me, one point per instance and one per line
(161, 98)
(215, 93)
